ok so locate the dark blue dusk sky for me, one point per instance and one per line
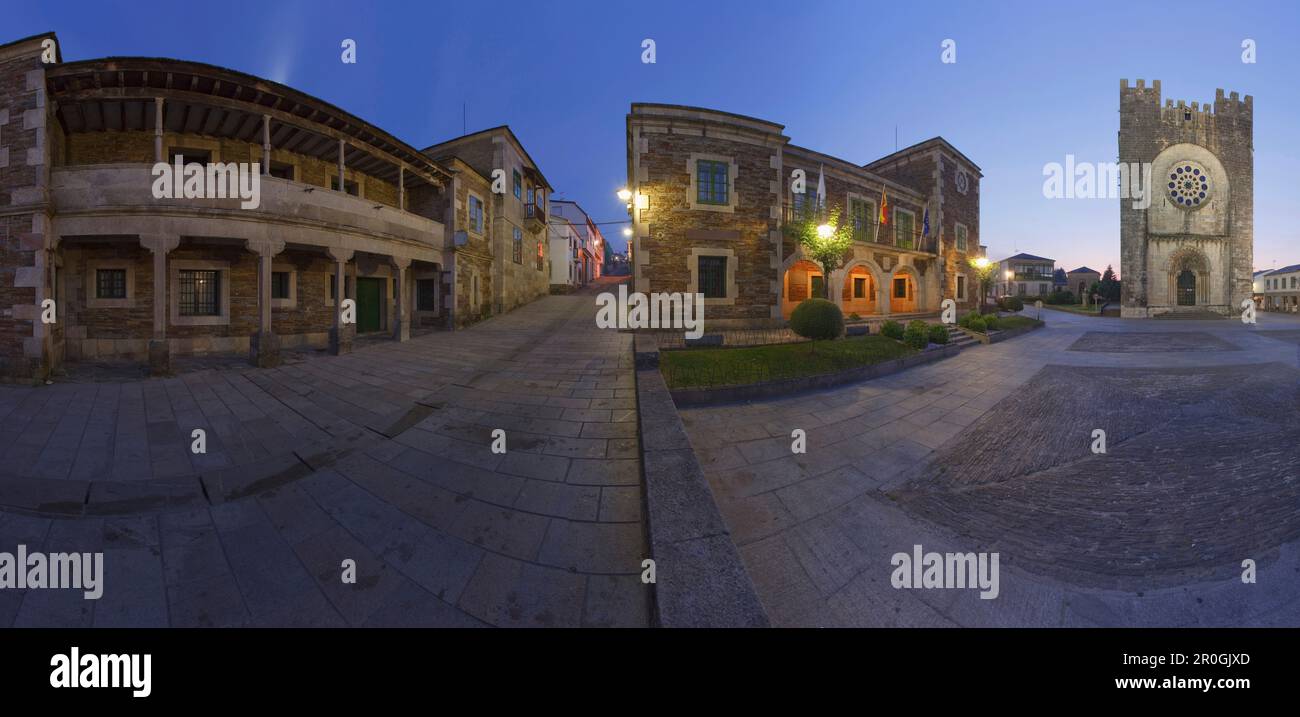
(1033, 81)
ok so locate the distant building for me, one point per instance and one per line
(1279, 289)
(566, 246)
(1078, 281)
(591, 252)
(1024, 275)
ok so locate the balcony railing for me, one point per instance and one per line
(535, 214)
(866, 230)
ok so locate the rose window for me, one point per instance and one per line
(1188, 185)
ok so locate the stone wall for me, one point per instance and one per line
(27, 347)
(1221, 233)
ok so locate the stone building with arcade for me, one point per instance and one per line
(711, 192)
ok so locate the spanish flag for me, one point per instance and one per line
(884, 207)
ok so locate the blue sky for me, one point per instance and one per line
(1033, 81)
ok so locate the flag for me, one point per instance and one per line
(821, 187)
(884, 214)
(925, 223)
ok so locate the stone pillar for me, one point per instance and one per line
(266, 144)
(159, 348)
(264, 348)
(402, 290)
(158, 130)
(340, 334)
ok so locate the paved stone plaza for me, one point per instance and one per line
(443, 531)
(383, 457)
(991, 451)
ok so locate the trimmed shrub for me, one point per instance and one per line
(1011, 303)
(939, 334)
(1060, 297)
(975, 324)
(817, 319)
(990, 323)
(917, 334)
(965, 321)
(892, 329)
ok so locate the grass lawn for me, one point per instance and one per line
(1016, 322)
(1075, 309)
(699, 368)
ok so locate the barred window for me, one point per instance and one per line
(279, 285)
(110, 284)
(713, 277)
(200, 292)
(904, 229)
(518, 250)
(711, 182)
(863, 214)
(961, 237)
(426, 293)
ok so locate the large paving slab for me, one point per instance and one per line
(383, 457)
(991, 451)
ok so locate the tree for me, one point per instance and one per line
(1058, 277)
(984, 275)
(1109, 286)
(824, 242)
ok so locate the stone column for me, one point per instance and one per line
(159, 348)
(340, 334)
(401, 310)
(264, 348)
(158, 130)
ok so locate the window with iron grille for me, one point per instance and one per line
(713, 277)
(711, 182)
(961, 237)
(904, 229)
(518, 251)
(862, 213)
(200, 292)
(426, 294)
(279, 285)
(110, 284)
(541, 255)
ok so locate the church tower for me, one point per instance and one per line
(1191, 249)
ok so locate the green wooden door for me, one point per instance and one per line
(370, 305)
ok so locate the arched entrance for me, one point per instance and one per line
(859, 292)
(903, 288)
(803, 280)
(1188, 277)
(1186, 288)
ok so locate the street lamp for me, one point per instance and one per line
(625, 194)
(825, 231)
(627, 232)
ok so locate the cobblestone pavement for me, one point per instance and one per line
(381, 456)
(991, 451)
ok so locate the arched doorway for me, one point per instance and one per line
(803, 280)
(902, 292)
(1187, 288)
(859, 292)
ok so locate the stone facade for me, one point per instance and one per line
(339, 210)
(505, 253)
(1078, 281)
(677, 238)
(1192, 248)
